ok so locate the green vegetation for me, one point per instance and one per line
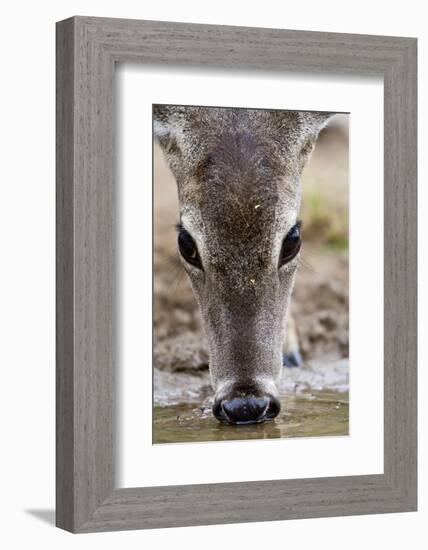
(325, 219)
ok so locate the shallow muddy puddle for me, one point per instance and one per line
(306, 414)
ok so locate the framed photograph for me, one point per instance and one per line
(236, 274)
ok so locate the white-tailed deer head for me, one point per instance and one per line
(238, 176)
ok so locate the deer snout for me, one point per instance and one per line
(248, 409)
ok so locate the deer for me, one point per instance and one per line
(238, 173)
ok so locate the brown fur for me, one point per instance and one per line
(238, 175)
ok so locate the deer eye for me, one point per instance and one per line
(290, 245)
(187, 247)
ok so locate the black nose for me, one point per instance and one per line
(246, 410)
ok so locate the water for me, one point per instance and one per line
(314, 403)
(318, 413)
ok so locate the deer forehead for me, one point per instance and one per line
(241, 178)
(240, 201)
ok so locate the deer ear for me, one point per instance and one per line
(163, 125)
(161, 129)
(166, 128)
(316, 120)
(312, 122)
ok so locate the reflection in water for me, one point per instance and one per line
(307, 414)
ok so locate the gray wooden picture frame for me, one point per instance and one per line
(87, 50)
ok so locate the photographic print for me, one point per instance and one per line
(250, 274)
(203, 299)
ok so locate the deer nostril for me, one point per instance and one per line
(246, 410)
(273, 409)
(218, 411)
